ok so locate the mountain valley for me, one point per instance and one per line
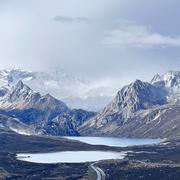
(140, 109)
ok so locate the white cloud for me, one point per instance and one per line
(140, 36)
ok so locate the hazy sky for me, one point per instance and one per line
(118, 39)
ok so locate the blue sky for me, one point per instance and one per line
(120, 40)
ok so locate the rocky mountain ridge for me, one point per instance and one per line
(76, 92)
(139, 108)
(45, 114)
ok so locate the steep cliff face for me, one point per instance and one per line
(130, 99)
(138, 95)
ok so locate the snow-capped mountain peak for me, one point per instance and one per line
(139, 95)
(129, 100)
(76, 92)
(20, 86)
(20, 92)
(171, 82)
(156, 78)
(171, 79)
(17, 96)
(11, 77)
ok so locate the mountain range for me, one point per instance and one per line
(140, 109)
(74, 91)
(41, 114)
